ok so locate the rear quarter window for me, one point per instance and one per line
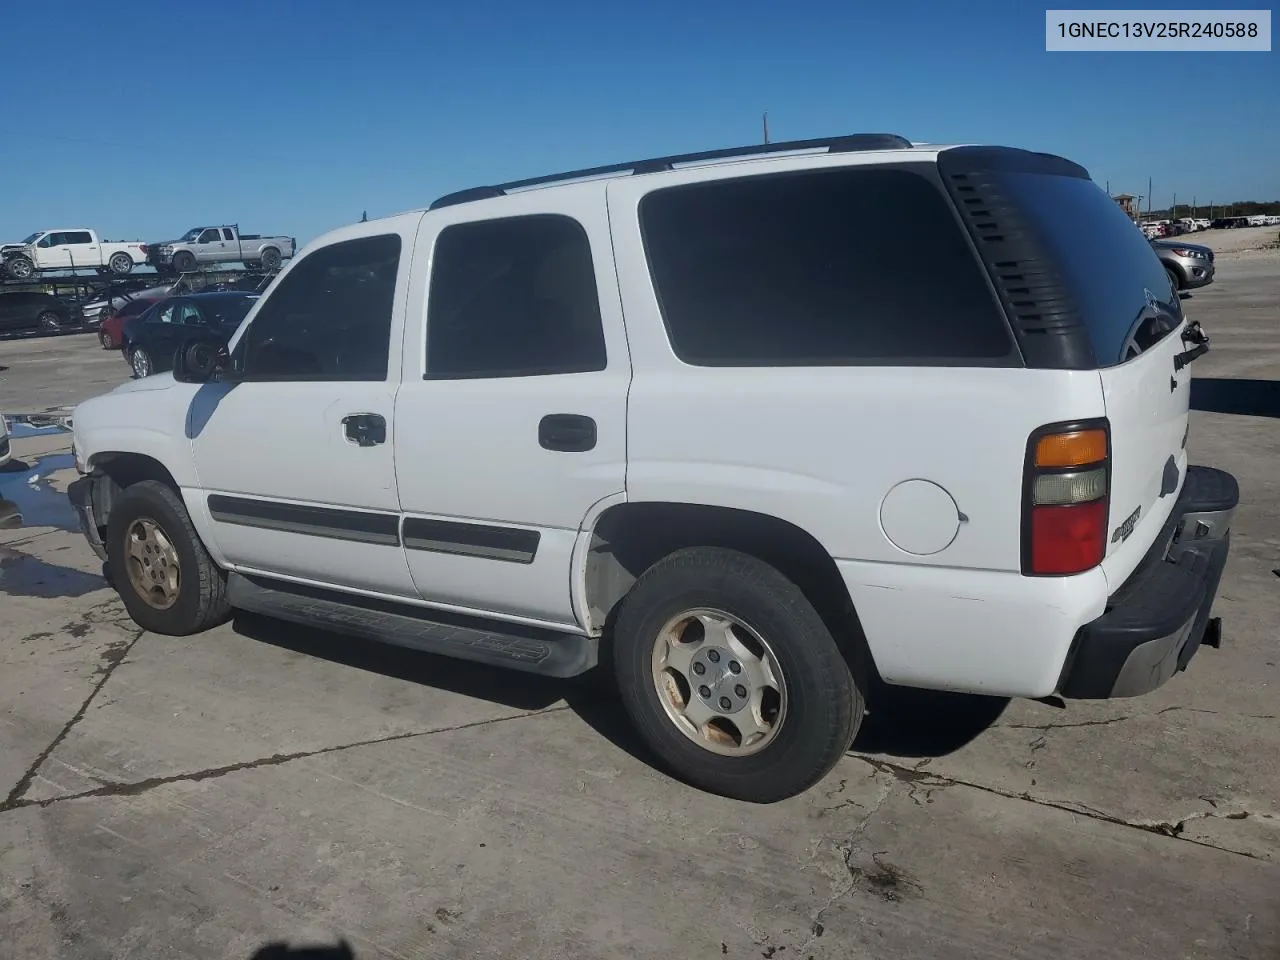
(1108, 265)
(862, 265)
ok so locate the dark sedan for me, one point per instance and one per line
(153, 337)
(36, 311)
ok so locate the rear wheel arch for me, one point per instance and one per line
(628, 538)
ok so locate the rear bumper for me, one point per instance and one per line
(1159, 617)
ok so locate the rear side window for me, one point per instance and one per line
(830, 267)
(514, 297)
(1123, 294)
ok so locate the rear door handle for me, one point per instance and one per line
(365, 429)
(567, 432)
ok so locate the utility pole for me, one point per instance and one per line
(364, 217)
(1148, 198)
(766, 126)
(1193, 206)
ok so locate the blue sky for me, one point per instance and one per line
(142, 119)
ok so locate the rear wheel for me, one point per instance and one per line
(121, 264)
(732, 677)
(271, 259)
(49, 322)
(155, 560)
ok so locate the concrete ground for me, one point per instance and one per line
(201, 797)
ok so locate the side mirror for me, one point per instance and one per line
(201, 359)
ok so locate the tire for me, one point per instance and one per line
(49, 322)
(1174, 278)
(197, 600)
(270, 259)
(184, 261)
(120, 264)
(104, 338)
(816, 704)
(140, 361)
(20, 268)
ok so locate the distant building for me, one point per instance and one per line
(1126, 204)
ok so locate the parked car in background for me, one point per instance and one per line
(71, 249)
(202, 246)
(36, 311)
(5, 453)
(151, 337)
(111, 330)
(1189, 265)
(99, 306)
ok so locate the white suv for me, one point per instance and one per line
(757, 428)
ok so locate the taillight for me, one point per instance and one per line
(1067, 483)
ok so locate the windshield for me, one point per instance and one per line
(191, 234)
(1108, 263)
(34, 237)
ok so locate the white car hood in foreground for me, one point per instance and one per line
(157, 381)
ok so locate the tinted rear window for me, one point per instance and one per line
(1107, 263)
(826, 267)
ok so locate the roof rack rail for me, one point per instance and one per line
(846, 144)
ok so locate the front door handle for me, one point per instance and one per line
(567, 432)
(365, 429)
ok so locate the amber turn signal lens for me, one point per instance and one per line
(1074, 449)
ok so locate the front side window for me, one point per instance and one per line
(856, 265)
(514, 297)
(329, 318)
(50, 240)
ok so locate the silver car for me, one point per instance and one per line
(1189, 265)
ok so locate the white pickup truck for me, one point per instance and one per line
(741, 432)
(71, 248)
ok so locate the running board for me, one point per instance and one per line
(529, 649)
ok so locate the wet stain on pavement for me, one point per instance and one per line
(22, 575)
(27, 498)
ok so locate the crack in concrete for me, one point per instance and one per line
(112, 657)
(848, 850)
(133, 789)
(1165, 828)
(1045, 727)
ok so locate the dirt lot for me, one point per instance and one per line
(201, 797)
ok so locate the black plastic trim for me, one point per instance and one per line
(512, 544)
(1044, 315)
(1030, 471)
(849, 143)
(330, 522)
(538, 650)
(1172, 587)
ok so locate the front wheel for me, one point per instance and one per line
(732, 678)
(184, 262)
(49, 322)
(20, 268)
(104, 338)
(121, 264)
(155, 560)
(140, 360)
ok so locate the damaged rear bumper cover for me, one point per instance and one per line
(1159, 617)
